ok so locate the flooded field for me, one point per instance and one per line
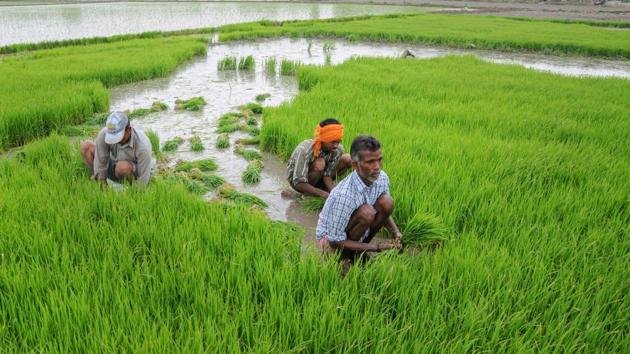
(226, 90)
(24, 24)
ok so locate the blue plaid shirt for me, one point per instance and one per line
(344, 199)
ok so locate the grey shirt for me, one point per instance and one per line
(137, 151)
(302, 158)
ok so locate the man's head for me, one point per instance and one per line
(331, 141)
(366, 158)
(118, 128)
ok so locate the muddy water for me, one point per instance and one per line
(24, 24)
(224, 91)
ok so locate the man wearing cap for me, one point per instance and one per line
(120, 152)
(315, 163)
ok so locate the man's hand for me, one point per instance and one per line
(398, 241)
(325, 195)
(384, 246)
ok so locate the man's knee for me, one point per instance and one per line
(345, 161)
(319, 165)
(366, 214)
(384, 204)
(123, 169)
(87, 148)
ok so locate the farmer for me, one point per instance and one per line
(359, 206)
(316, 162)
(120, 152)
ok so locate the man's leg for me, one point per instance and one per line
(384, 207)
(88, 149)
(316, 171)
(359, 223)
(124, 171)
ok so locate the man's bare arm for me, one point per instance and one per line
(308, 189)
(329, 183)
(361, 246)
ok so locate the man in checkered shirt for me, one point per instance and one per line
(359, 206)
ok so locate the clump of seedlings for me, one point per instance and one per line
(289, 67)
(229, 122)
(223, 141)
(249, 141)
(252, 120)
(246, 63)
(262, 97)
(312, 204)
(172, 144)
(228, 192)
(192, 104)
(158, 106)
(255, 107)
(196, 144)
(424, 230)
(252, 130)
(248, 154)
(227, 63)
(155, 144)
(270, 66)
(205, 165)
(251, 175)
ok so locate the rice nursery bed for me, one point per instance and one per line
(49, 89)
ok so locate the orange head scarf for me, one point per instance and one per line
(326, 134)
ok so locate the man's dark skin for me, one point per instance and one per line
(124, 169)
(366, 216)
(316, 173)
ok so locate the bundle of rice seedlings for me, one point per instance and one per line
(248, 154)
(424, 230)
(158, 106)
(262, 97)
(253, 106)
(192, 185)
(192, 104)
(227, 63)
(205, 165)
(212, 181)
(195, 173)
(228, 192)
(138, 112)
(223, 141)
(289, 67)
(252, 130)
(251, 175)
(313, 204)
(249, 141)
(252, 121)
(72, 131)
(270, 66)
(172, 145)
(155, 143)
(196, 144)
(246, 63)
(228, 123)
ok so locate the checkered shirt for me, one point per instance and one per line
(344, 199)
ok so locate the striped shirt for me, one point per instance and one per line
(302, 158)
(344, 199)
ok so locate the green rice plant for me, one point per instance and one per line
(251, 175)
(196, 144)
(251, 130)
(138, 112)
(289, 67)
(252, 121)
(249, 141)
(424, 229)
(228, 192)
(229, 122)
(328, 47)
(172, 144)
(45, 90)
(262, 97)
(158, 106)
(97, 119)
(212, 182)
(191, 104)
(155, 144)
(73, 131)
(270, 66)
(227, 63)
(248, 154)
(205, 165)
(223, 141)
(312, 204)
(255, 107)
(328, 59)
(246, 63)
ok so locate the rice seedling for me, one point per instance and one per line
(255, 107)
(252, 121)
(196, 144)
(97, 119)
(289, 67)
(246, 63)
(251, 130)
(158, 106)
(424, 229)
(312, 204)
(138, 112)
(328, 59)
(205, 165)
(328, 47)
(262, 97)
(191, 104)
(212, 182)
(270, 66)
(155, 144)
(227, 63)
(248, 154)
(172, 144)
(249, 141)
(228, 192)
(229, 122)
(223, 141)
(73, 131)
(251, 175)
(49, 89)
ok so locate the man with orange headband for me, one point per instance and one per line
(316, 162)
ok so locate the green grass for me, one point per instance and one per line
(525, 173)
(196, 144)
(155, 144)
(49, 89)
(191, 104)
(223, 141)
(172, 144)
(452, 30)
(227, 63)
(270, 66)
(289, 67)
(205, 165)
(246, 63)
